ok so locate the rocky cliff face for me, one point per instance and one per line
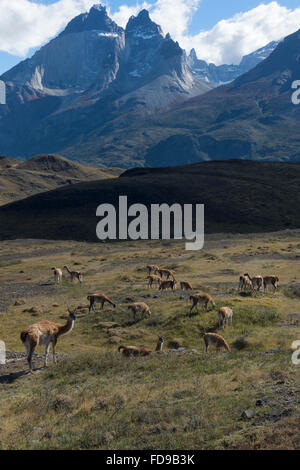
(222, 74)
(92, 75)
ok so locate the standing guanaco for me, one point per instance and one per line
(75, 274)
(152, 267)
(225, 316)
(215, 340)
(152, 279)
(128, 351)
(139, 307)
(245, 283)
(256, 281)
(57, 275)
(100, 299)
(167, 272)
(184, 285)
(204, 300)
(271, 281)
(44, 333)
(168, 285)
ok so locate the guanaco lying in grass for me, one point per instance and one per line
(271, 281)
(168, 285)
(128, 351)
(44, 333)
(167, 273)
(215, 340)
(184, 285)
(204, 300)
(152, 267)
(225, 316)
(152, 279)
(100, 299)
(139, 308)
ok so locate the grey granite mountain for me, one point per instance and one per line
(222, 74)
(94, 77)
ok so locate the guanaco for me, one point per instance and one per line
(256, 281)
(215, 340)
(271, 281)
(152, 267)
(100, 299)
(44, 333)
(225, 316)
(184, 285)
(204, 300)
(128, 351)
(57, 275)
(139, 307)
(168, 285)
(166, 272)
(75, 275)
(245, 283)
(152, 279)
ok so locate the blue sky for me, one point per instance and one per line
(248, 25)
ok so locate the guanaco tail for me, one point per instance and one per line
(128, 351)
(44, 333)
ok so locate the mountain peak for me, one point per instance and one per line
(141, 26)
(96, 19)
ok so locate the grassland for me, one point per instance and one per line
(95, 399)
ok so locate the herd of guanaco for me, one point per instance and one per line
(48, 332)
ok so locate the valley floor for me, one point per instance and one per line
(96, 399)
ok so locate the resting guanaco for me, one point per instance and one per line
(152, 279)
(57, 275)
(100, 299)
(139, 307)
(256, 281)
(167, 285)
(271, 281)
(204, 300)
(128, 351)
(214, 340)
(44, 333)
(225, 316)
(75, 275)
(152, 267)
(166, 272)
(184, 285)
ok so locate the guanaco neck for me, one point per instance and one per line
(64, 329)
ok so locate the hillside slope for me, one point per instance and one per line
(20, 179)
(239, 196)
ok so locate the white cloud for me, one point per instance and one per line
(230, 39)
(25, 24)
